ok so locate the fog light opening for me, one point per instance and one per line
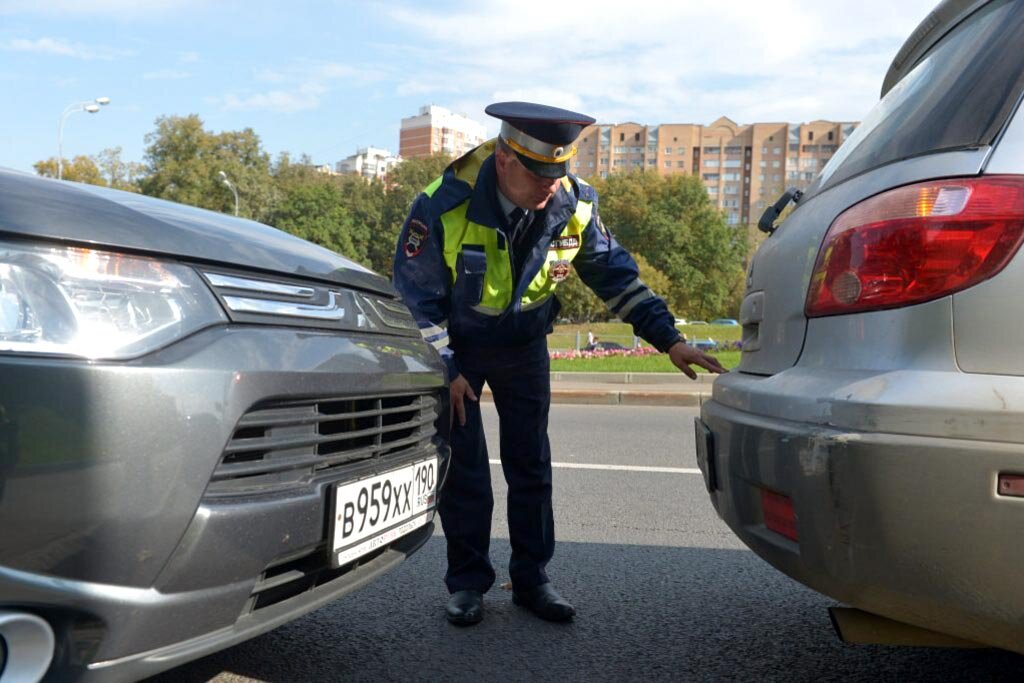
(1010, 485)
(779, 515)
(27, 642)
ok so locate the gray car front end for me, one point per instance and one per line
(873, 453)
(181, 394)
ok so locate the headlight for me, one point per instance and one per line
(97, 304)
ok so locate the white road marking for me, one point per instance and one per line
(619, 468)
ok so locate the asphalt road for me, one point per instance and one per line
(663, 590)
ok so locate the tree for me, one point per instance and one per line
(580, 304)
(118, 174)
(360, 199)
(183, 163)
(670, 221)
(105, 169)
(314, 211)
(81, 169)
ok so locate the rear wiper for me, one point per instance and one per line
(767, 221)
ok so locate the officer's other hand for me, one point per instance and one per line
(684, 355)
(460, 390)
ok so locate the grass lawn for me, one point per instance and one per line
(657, 363)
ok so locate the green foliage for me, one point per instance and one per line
(670, 221)
(183, 162)
(118, 174)
(315, 211)
(580, 304)
(81, 169)
(655, 363)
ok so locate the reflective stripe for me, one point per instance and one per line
(436, 337)
(529, 146)
(632, 287)
(440, 343)
(642, 296)
(432, 331)
(534, 304)
(488, 310)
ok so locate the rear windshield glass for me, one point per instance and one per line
(958, 96)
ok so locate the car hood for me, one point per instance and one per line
(36, 207)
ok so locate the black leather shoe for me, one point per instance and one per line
(545, 602)
(465, 608)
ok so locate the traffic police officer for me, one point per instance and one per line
(478, 261)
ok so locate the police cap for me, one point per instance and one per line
(541, 136)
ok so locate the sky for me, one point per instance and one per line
(326, 77)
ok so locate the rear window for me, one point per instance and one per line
(959, 96)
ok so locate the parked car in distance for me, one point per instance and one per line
(708, 344)
(605, 346)
(870, 443)
(697, 322)
(681, 321)
(725, 321)
(207, 428)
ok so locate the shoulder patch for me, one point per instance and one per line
(416, 234)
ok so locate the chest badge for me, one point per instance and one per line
(559, 270)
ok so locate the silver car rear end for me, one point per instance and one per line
(859, 453)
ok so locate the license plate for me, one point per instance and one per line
(375, 511)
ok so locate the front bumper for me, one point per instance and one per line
(908, 526)
(112, 530)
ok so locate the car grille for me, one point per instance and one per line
(286, 443)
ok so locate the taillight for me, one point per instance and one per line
(917, 243)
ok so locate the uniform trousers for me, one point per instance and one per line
(520, 383)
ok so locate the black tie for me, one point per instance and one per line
(517, 222)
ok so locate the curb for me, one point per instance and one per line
(669, 378)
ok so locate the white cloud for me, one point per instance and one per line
(684, 61)
(63, 48)
(188, 57)
(306, 96)
(303, 85)
(166, 75)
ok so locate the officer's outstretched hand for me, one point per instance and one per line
(683, 356)
(460, 390)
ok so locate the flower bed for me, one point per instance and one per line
(637, 352)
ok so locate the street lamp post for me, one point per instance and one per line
(231, 186)
(91, 107)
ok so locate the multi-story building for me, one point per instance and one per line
(436, 130)
(744, 167)
(369, 162)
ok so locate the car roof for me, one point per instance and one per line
(938, 23)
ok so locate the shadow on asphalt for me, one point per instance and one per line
(645, 612)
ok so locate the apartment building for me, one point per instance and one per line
(369, 162)
(438, 130)
(744, 167)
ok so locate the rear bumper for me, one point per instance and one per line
(906, 526)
